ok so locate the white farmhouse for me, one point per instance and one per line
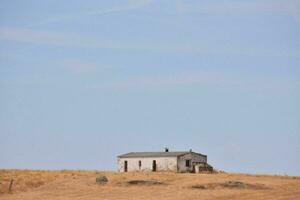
(177, 161)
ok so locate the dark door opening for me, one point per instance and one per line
(187, 163)
(125, 166)
(154, 166)
(140, 164)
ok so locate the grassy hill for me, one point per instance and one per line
(68, 184)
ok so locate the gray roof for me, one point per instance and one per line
(155, 154)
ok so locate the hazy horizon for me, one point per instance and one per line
(83, 82)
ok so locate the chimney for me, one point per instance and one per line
(166, 149)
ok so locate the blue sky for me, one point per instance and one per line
(83, 82)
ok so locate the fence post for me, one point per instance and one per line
(10, 185)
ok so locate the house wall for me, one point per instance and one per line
(162, 164)
(193, 157)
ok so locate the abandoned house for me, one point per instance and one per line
(177, 161)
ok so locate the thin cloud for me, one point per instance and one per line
(54, 38)
(130, 5)
(78, 66)
(75, 41)
(208, 78)
(286, 7)
(163, 81)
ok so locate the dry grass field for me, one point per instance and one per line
(64, 185)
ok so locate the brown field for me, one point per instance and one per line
(65, 184)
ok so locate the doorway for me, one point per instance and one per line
(125, 166)
(154, 166)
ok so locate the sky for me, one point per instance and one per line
(84, 81)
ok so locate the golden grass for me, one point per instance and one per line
(80, 184)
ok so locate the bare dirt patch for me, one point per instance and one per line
(144, 182)
(230, 185)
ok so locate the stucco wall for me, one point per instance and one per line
(162, 164)
(193, 157)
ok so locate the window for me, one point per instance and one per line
(187, 163)
(140, 163)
